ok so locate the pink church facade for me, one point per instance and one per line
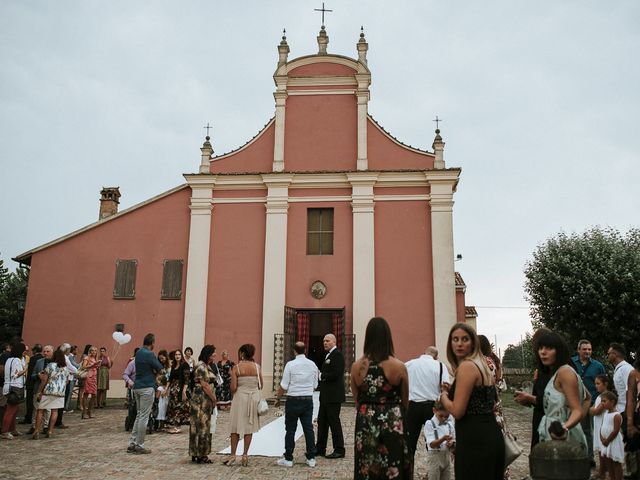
(318, 223)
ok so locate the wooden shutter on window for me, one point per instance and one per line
(172, 280)
(125, 285)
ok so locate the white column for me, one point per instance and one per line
(278, 144)
(195, 306)
(364, 286)
(362, 96)
(275, 267)
(444, 289)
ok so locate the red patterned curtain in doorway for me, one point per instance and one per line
(337, 326)
(302, 328)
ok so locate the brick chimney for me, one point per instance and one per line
(109, 200)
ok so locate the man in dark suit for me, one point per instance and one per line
(331, 397)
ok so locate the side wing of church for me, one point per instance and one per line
(320, 222)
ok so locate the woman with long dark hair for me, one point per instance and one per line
(380, 388)
(541, 377)
(50, 396)
(203, 401)
(565, 397)
(471, 400)
(178, 409)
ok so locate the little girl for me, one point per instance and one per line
(162, 394)
(597, 412)
(612, 449)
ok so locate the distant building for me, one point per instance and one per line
(315, 225)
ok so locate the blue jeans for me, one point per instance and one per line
(298, 408)
(144, 402)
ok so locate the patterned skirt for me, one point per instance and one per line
(177, 411)
(200, 424)
(103, 378)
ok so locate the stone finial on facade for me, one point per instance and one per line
(438, 148)
(362, 47)
(323, 41)
(207, 153)
(109, 201)
(283, 49)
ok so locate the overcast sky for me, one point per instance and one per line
(540, 102)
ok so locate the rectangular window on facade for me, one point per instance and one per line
(125, 286)
(172, 280)
(320, 231)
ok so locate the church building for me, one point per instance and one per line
(318, 223)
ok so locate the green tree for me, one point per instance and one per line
(13, 295)
(588, 286)
(519, 355)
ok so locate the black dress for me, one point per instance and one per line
(479, 440)
(381, 449)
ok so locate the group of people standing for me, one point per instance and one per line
(574, 398)
(192, 389)
(45, 380)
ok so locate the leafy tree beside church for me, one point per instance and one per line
(587, 285)
(13, 295)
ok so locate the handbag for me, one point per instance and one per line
(15, 396)
(512, 449)
(263, 406)
(82, 373)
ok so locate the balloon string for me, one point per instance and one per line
(116, 352)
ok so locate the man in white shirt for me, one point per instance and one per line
(426, 374)
(621, 370)
(299, 380)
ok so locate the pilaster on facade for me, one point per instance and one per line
(364, 286)
(442, 186)
(195, 309)
(275, 263)
(362, 95)
(278, 146)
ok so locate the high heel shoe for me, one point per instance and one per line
(245, 461)
(35, 436)
(230, 461)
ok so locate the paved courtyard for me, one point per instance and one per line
(95, 449)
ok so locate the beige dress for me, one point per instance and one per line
(244, 407)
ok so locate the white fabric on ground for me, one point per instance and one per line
(269, 441)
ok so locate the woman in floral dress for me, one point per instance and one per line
(223, 391)
(178, 409)
(380, 388)
(203, 401)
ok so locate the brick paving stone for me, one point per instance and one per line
(96, 449)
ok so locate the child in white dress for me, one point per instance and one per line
(612, 449)
(597, 412)
(162, 394)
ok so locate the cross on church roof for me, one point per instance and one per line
(207, 127)
(437, 120)
(322, 10)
